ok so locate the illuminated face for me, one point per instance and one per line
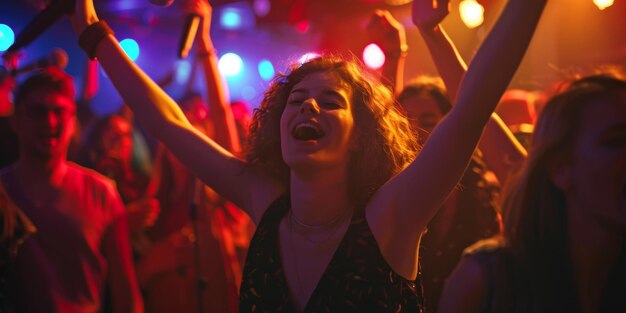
(423, 114)
(117, 139)
(45, 124)
(597, 173)
(316, 127)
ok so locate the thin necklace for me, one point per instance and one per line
(292, 219)
(336, 224)
(319, 226)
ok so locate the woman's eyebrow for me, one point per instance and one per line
(333, 93)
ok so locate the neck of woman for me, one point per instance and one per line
(319, 197)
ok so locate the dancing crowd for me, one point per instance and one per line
(346, 190)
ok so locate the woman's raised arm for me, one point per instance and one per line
(500, 148)
(162, 117)
(401, 208)
(217, 91)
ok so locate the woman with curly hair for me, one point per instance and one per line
(331, 178)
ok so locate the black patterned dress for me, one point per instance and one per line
(357, 279)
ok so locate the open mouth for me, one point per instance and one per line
(307, 131)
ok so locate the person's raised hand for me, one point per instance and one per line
(387, 32)
(203, 9)
(83, 16)
(427, 14)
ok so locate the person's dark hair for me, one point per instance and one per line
(535, 209)
(427, 86)
(479, 192)
(384, 142)
(92, 148)
(50, 78)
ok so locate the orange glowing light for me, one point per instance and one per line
(472, 13)
(603, 4)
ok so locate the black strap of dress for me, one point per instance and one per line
(357, 279)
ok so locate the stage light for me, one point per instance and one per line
(182, 71)
(262, 7)
(373, 56)
(308, 57)
(131, 48)
(472, 13)
(266, 69)
(230, 18)
(303, 26)
(603, 4)
(7, 37)
(230, 64)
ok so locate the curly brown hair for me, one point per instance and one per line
(384, 142)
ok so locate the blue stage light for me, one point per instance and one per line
(7, 37)
(131, 48)
(230, 19)
(183, 71)
(266, 69)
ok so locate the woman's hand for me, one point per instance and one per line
(203, 9)
(387, 32)
(427, 14)
(83, 16)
